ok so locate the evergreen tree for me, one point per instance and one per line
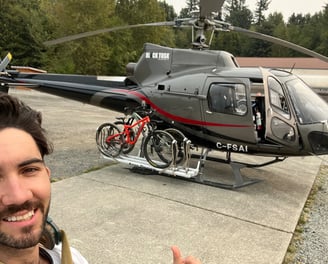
(192, 5)
(279, 30)
(261, 48)
(261, 7)
(169, 11)
(22, 31)
(238, 14)
(295, 27)
(87, 55)
(322, 45)
(141, 12)
(183, 36)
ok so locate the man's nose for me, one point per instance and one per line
(14, 191)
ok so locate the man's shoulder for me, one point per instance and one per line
(56, 252)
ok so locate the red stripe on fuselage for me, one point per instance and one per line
(175, 117)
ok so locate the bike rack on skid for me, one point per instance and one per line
(194, 174)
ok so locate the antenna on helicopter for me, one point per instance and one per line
(292, 68)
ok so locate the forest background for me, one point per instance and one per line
(26, 25)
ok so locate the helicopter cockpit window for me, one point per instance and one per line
(309, 107)
(227, 98)
(277, 97)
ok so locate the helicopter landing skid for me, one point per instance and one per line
(185, 172)
(239, 179)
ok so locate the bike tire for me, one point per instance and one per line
(113, 148)
(159, 149)
(126, 148)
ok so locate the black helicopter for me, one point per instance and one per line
(205, 94)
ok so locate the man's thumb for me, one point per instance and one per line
(176, 255)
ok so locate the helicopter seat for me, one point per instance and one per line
(221, 100)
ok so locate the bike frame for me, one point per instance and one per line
(127, 128)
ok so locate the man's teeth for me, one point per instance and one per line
(20, 217)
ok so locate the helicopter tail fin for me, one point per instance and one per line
(4, 63)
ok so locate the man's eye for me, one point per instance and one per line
(30, 170)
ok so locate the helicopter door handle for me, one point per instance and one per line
(209, 112)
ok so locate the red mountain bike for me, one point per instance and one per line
(157, 146)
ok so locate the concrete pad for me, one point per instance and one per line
(116, 216)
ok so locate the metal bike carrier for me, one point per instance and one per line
(185, 172)
(140, 163)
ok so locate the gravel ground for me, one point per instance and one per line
(71, 127)
(313, 243)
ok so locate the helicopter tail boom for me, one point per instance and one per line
(94, 90)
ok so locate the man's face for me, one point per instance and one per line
(24, 189)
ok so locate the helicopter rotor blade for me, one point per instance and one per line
(279, 41)
(207, 7)
(105, 30)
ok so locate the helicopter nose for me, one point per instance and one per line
(319, 142)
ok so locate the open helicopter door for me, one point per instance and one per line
(280, 122)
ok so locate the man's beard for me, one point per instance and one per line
(27, 239)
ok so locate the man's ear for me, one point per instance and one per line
(48, 172)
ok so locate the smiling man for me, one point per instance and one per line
(25, 189)
(24, 194)
(24, 186)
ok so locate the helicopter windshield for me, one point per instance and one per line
(310, 107)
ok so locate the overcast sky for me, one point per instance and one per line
(286, 7)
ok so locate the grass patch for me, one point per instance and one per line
(95, 168)
(298, 233)
(55, 179)
(99, 167)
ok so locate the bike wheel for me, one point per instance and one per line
(159, 149)
(112, 148)
(180, 138)
(126, 148)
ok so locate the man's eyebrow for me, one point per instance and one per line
(30, 161)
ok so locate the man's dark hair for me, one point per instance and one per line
(16, 114)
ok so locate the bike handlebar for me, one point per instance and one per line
(140, 110)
